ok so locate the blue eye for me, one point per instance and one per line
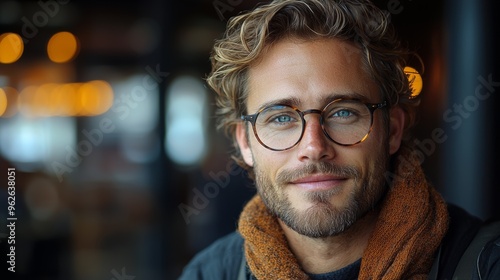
(342, 114)
(283, 118)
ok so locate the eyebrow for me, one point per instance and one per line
(291, 101)
(351, 95)
(295, 101)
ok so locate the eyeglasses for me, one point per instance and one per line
(346, 122)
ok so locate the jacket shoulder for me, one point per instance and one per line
(221, 260)
(464, 230)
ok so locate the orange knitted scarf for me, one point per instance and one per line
(412, 222)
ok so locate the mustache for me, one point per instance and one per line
(290, 175)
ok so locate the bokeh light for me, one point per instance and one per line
(96, 97)
(62, 47)
(42, 101)
(185, 140)
(11, 96)
(3, 102)
(26, 101)
(74, 99)
(11, 47)
(416, 83)
(66, 94)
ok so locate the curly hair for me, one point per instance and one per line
(358, 21)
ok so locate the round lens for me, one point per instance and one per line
(347, 122)
(278, 127)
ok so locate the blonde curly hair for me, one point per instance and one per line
(358, 21)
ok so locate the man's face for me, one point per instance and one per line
(317, 188)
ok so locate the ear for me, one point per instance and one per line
(396, 128)
(243, 144)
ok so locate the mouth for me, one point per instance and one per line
(319, 182)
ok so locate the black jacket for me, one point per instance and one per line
(223, 259)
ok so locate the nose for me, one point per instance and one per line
(314, 145)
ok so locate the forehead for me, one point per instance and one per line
(310, 73)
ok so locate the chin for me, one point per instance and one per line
(320, 220)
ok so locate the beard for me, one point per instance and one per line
(324, 219)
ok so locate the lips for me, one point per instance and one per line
(319, 182)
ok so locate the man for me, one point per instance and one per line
(314, 95)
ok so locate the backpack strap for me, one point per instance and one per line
(465, 267)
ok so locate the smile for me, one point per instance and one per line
(319, 182)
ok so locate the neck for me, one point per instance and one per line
(322, 255)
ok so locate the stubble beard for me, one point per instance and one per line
(324, 219)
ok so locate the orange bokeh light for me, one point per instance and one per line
(3, 101)
(74, 99)
(62, 47)
(11, 47)
(11, 97)
(415, 79)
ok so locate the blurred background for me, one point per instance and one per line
(108, 122)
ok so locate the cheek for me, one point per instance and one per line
(269, 162)
(379, 136)
(265, 160)
(370, 154)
